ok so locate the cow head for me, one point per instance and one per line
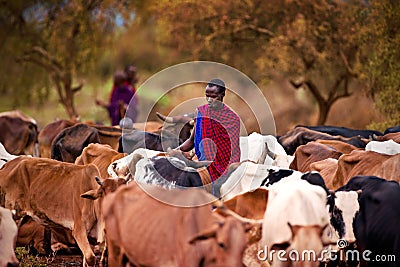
(228, 242)
(343, 208)
(180, 125)
(106, 186)
(306, 239)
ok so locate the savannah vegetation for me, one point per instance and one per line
(58, 56)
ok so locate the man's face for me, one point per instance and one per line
(131, 73)
(214, 97)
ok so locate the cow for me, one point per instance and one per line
(343, 207)
(360, 162)
(249, 176)
(19, 133)
(108, 135)
(312, 152)
(169, 171)
(49, 132)
(263, 149)
(100, 155)
(340, 146)
(327, 169)
(295, 219)
(394, 129)
(135, 139)
(40, 181)
(301, 136)
(71, 141)
(376, 225)
(191, 236)
(32, 235)
(179, 125)
(388, 147)
(8, 236)
(389, 136)
(250, 204)
(5, 156)
(343, 131)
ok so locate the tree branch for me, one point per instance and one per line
(347, 65)
(256, 29)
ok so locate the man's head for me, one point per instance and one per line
(215, 92)
(119, 77)
(131, 77)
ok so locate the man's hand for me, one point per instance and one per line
(100, 103)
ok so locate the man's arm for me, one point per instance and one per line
(188, 144)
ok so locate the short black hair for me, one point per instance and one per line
(219, 83)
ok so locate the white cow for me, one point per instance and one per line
(342, 214)
(8, 237)
(120, 167)
(296, 215)
(388, 147)
(250, 176)
(5, 156)
(264, 149)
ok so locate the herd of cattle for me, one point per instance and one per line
(93, 187)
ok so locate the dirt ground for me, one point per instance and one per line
(55, 260)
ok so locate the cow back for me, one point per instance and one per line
(70, 142)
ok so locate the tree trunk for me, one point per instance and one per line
(324, 108)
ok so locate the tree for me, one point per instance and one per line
(381, 38)
(62, 38)
(312, 42)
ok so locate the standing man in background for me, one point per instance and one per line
(123, 98)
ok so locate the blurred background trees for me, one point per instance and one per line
(316, 53)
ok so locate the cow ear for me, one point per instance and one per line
(91, 194)
(206, 234)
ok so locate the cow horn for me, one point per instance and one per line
(227, 212)
(165, 118)
(98, 180)
(132, 164)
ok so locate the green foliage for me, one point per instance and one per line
(54, 44)
(382, 69)
(27, 260)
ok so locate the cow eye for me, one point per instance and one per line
(221, 245)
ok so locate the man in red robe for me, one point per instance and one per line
(216, 134)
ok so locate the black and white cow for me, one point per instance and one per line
(376, 225)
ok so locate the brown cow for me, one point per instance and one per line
(19, 133)
(53, 193)
(250, 205)
(390, 136)
(327, 169)
(301, 136)
(49, 132)
(100, 155)
(340, 146)
(32, 234)
(370, 163)
(147, 232)
(312, 152)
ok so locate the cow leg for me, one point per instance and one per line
(89, 259)
(47, 240)
(115, 255)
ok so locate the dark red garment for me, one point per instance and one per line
(217, 138)
(126, 94)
